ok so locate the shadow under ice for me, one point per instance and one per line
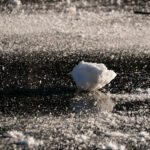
(56, 101)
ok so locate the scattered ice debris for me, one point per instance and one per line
(19, 138)
(30, 142)
(14, 4)
(139, 137)
(94, 101)
(113, 146)
(40, 81)
(3, 68)
(132, 96)
(81, 138)
(91, 76)
(117, 134)
(142, 91)
(144, 134)
(14, 134)
(80, 36)
(72, 10)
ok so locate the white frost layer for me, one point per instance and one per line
(20, 139)
(91, 76)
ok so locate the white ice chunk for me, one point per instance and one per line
(91, 76)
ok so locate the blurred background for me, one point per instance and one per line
(132, 5)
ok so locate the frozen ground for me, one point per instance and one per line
(39, 105)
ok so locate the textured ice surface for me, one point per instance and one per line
(87, 30)
(101, 130)
(125, 127)
(91, 76)
(27, 38)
